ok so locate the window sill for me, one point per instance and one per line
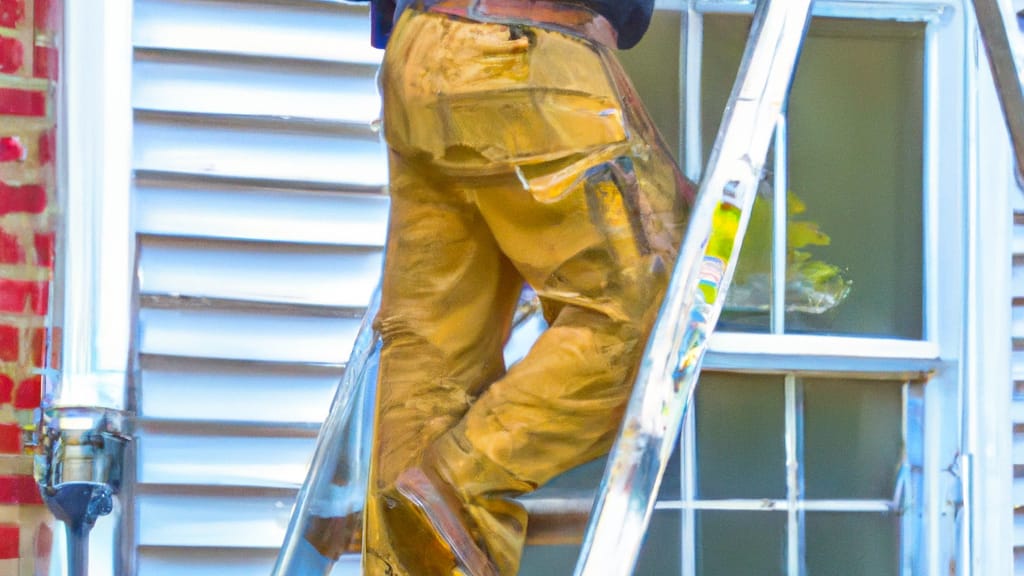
(881, 357)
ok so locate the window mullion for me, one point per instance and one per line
(693, 154)
(910, 492)
(693, 163)
(688, 492)
(780, 187)
(794, 476)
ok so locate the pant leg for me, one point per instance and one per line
(589, 211)
(448, 297)
(598, 243)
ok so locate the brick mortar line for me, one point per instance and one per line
(22, 322)
(25, 273)
(8, 415)
(22, 173)
(25, 83)
(16, 123)
(47, 217)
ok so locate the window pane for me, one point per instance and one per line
(740, 423)
(748, 304)
(855, 170)
(855, 145)
(671, 481)
(853, 438)
(662, 551)
(725, 36)
(653, 67)
(660, 555)
(852, 544)
(741, 543)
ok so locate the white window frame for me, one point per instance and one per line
(966, 420)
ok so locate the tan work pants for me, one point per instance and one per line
(517, 154)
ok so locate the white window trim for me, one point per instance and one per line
(97, 123)
(986, 379)
(809, 353)
(97, 239)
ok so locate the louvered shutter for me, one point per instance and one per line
(1018, 365)
(261, 221)
(1018, 385)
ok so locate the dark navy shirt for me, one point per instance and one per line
(629, 17)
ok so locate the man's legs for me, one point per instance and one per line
(447, 302)
(594, 230)
(599, 253)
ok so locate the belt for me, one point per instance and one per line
(568, 17)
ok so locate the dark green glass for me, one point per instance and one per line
(653, 66)
(855, 161)
(741, 543)
(852, 544)
(724, 40)
(853, 438)
(740, 437)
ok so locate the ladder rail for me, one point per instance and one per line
(1000, 34)
(671, 363)
(342, 453)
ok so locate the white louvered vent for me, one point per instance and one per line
(1018, 365)
(1018, 370)
(1018, 383)
(261, 221)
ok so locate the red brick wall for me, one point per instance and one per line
(28, 216)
